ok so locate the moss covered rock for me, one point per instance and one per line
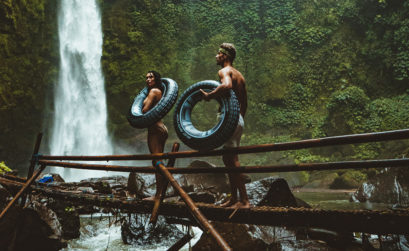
(349, 179)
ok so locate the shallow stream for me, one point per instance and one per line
(102, 233)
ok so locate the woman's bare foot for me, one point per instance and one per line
(229, 203)
(151, 198)
(240, 204)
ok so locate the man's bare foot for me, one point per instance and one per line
(229, 203)
(240, 204)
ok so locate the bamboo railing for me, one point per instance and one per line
(47, 160)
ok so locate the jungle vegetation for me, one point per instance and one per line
(314, 68)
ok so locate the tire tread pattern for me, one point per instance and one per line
(230, 104)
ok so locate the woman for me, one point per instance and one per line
(157, 133)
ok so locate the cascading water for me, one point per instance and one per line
(80, 110)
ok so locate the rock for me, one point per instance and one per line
(85, 189)
(68, 217)
(271, 191)
(49, 217)
(24, 229)
(205, 197)
(136, 229)
(349, 179)
(321, 179)
(218, 182)
(250, 237)
(135, 185)
(4, 197)
(391, 186)
(238, 236)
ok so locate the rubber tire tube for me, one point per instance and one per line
(220, 133)
(138, 119)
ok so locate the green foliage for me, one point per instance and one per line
(389, 113)
(347, 110)
(28, 70)
(4, 168)
(349, 179)
(312, 68)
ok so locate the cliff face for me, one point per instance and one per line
(28, 68)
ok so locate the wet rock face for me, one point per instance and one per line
(49, 217)
(250, 237)
(136, 229)
(24, 229)
(68, 217)
(236, 235)
(204, 196)
(390, 186)
(217, 182)
(270, 191)
(4, 195)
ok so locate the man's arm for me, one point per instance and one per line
(226, 84)
(153, 97)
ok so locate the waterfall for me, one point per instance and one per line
(80, 110)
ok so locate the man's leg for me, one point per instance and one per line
(239, 183)
(227, 160)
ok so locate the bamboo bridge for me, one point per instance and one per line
(366, 221)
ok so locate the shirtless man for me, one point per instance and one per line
(232, 79)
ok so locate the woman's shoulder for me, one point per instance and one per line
(155, 91)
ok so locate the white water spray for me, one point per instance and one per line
(80, 110)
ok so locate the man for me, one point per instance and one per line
(232, 79)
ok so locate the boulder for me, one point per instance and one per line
(216, 182)
(136, 185)
(24, 229)
(68, 217)
(271, 191)
(390, 186)
(203, 196)
(251, 237)
(136, 229)
(4, 197)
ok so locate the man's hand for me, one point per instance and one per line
(205, 95)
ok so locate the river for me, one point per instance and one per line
(102, 233)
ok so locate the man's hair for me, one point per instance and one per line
(157, 76)
(230, 49)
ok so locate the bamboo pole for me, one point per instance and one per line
(308, 143)
(361, 164)
(34, 157)
(162, 189)
(33, 162)
(180, 243)
(22, 190)
(12, 177)
(194, 210)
